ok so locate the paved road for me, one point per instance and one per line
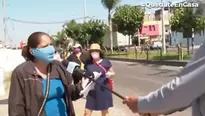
(134, 78)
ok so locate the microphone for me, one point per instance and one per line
(71, 68)
(74, 69)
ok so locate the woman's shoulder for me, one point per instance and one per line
(23, 65)
(23, 68)
(105, 60)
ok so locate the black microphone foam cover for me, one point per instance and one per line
(77, 75)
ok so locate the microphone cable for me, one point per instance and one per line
(47, 90)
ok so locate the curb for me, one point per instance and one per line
(157, 62)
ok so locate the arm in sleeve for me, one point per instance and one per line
(178, 93)
(65, 63)
(70, 57)
(16, 102)
(176, 110)
(110, 69)
(73, 88)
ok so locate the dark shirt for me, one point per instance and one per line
(73, 58)
(83, 58)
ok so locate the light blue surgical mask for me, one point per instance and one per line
(45, 54)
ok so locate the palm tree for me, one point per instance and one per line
(60, 40)
(110, 5)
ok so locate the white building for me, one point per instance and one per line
(118, 40)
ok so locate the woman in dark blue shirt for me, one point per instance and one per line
(99, 99)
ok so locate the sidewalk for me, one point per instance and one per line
(3, 107)
(79, 109)
(80, 106)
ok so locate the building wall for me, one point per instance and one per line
(177, 38)
(150, 29)
(158, 15)
(149, 17)
(118, 40)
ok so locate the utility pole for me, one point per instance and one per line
(85, 10)
(85, 15)
(163, 31)
(4, 22)
(138, 35)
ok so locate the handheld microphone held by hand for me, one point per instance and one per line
(71, 67)
(74, 69)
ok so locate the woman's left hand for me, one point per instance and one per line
(109, 74)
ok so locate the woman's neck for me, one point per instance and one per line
(98, 60)
(78, 54)
(42, 67)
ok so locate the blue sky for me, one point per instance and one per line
(49, 11)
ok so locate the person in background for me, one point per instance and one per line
(57, 55)
(28, 89)
(69, 51)
(78, 56)
(99, 99)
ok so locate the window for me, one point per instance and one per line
(153, 27)
(150, 28)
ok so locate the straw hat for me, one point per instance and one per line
(94, 47)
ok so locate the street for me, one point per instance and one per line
(131, 79)
(140, 79)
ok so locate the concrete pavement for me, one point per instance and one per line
(131, 79)
(140, 79)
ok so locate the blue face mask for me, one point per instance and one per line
(44, 54)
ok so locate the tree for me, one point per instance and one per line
(110, 5)
(60, 40)
(185, 21)
(96, 29)
(86, 33)
(77, 32)
(128, 19)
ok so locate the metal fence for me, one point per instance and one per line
(172, 53)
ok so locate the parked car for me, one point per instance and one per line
(157, 45)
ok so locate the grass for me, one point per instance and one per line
(151, 55)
